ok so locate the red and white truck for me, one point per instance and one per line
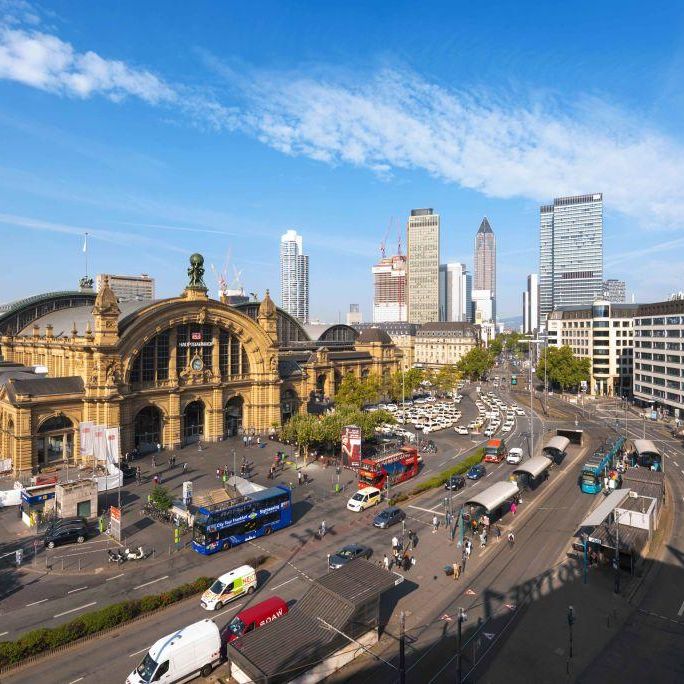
(393, 468)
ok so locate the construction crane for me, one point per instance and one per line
(383, 251)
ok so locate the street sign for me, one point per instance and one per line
(470, 592)
(489, 635)
(115, 522)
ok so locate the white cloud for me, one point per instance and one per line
(48, 63)
(530, 149)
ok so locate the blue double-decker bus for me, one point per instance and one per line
(220, 526)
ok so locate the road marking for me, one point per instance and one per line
(109, 579)
(284, 583)
(142, 650)
(73, 591)
(73, 681)
(3, 633)
(677, 464)
(425, 510)
(488, 474)
(228, 610)
(147, 584)
(73, 610)
(35, 603)
(680, 612)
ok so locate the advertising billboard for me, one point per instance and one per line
(351, 446)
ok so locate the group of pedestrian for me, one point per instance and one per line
(172, 461)
(249, 440)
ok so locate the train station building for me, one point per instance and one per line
(170, 371)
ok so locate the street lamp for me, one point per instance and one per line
(571, 622)
(461, 618)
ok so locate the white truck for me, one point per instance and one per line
(181, 656)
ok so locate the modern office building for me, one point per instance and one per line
(128, 288)
(455, 293)
(484, 262)
(483, 306)
(614, 290)
(444, 343)
(570, 252)
(354, 314)
(659, 355)
(602, 332)
(389, 289)
(531, 304)
(294, 276)
(423, 266)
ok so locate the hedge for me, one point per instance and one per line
(460, 468)
(40, 640)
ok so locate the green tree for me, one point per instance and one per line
(563, 368)
(496, 345)
(475, 364)
(160, 498)
(447, 378)
(355, 392)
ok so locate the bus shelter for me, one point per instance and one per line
(647, 454)
(494, 502)
(532, 473)
(555, 449)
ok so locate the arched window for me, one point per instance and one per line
(152, 364)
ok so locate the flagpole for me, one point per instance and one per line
(85, 251)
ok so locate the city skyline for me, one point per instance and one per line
(188, 162)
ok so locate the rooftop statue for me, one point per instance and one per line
(196, 273)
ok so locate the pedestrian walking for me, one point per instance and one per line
(435, 523)
(483, 539)
(511, 539)
(409, 535)
(244, 440)
(138, 475)
(497, 531)
(457, 570)
(299, 477)
(468, 548)
(406, 561)
(185, 467)
(385, 562)
(158, 447)
(154, 461)
(156, 480)
(218, 473)
(258, 441)
(514, 507)
(395, 543)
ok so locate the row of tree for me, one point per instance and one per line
(562, 368)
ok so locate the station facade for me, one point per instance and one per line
(170, 372)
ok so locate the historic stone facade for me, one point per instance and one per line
(172, 371)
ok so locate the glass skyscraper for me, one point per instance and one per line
(570, 252)
(294, 276)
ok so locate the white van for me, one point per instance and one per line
(181, 656)
(364, 498)
(230, 586)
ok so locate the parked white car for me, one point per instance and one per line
(461, 429)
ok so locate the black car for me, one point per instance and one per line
(66, 533)
(55, 523)
(455, 482)
(476, 472)
(388, 517)
(348, 553)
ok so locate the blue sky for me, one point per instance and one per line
(167, 128)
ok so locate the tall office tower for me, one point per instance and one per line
(455, 293)
(526, 312)
(354, 315)
(127, 287)
(389, 283)
(482, 306)
(614, 290)
(532, 303)
(484, 261)
(423, 266)
(570, 252)
(294, 276)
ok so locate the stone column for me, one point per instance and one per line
(215, 416)
(173, 351)
(172, 429)
(24, 448)
(215, 349)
